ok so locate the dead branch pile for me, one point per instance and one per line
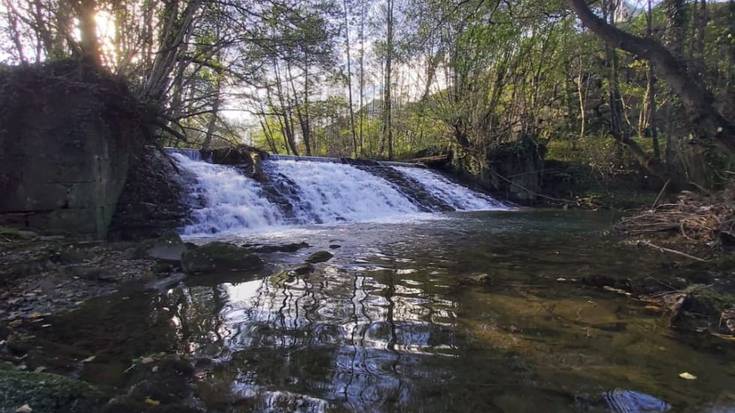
(702, 219)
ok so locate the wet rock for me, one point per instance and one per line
(85, 272)
(293, 247)
(334, 246)
(246, 158)
(158, 384)
(18, 345)
(319, 256)
(168, 248)
(602, 281)
(164, 267)
(219, 257)
(303, 269)
(126, 405)
(476, 279)
(164, 283)
(162, 391)
(44, 392)
(12, 233)
(623, 401)
(727, 321)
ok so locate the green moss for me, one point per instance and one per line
(319, 256)
(219, 257)
(45, 392)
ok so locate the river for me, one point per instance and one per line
(463, 311)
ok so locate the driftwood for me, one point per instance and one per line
(670, 251)
(702, 219)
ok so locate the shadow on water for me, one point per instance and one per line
(392, 324)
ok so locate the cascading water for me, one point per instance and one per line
(308, 192)
(338, 192)
(461, 198)
(230, 201)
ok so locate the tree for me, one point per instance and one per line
(387, 82)
(349, 80)
(700, 103)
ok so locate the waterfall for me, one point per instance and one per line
(298, 192)
(229, 200)
(458, 196)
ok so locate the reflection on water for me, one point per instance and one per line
(391, 324)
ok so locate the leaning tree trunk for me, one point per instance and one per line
(698, 101)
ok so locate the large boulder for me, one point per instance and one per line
(219, 257)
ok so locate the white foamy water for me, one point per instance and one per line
(339, 192)
(226, 201)
(458, 196)
(231, 201)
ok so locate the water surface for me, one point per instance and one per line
(395, 323)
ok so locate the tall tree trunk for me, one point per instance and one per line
(705, 117)
(387, 110)
(306, 125)
(300, 112)
(280, 122)
(175, 29)
(87, 10)
(582, 94)
(698, 51)
(675, 20)
(287, 119)
(349, 81)
(212, 123)
(651, 90)
(613, 89)
(363, 110)
(13, 30)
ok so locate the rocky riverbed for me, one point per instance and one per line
(44, 277)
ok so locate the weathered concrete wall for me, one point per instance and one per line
(65, 139)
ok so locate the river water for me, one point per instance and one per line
(397, 321)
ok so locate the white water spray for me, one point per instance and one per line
(231, 201)
(458, 196)
(308, 192)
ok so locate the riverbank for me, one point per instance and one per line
(45, 278)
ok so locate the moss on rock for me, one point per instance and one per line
(217, 257)
(45, 392)
(319, 256)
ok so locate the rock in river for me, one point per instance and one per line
(319, 256)
(217, 257)
(44, 392)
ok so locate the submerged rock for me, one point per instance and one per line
(624, 401)
(319, 256)
(46, 393)
(476, 279)
(303, 269)
(157, 384)
(292, 247)
(168, 247)
(219, 257)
